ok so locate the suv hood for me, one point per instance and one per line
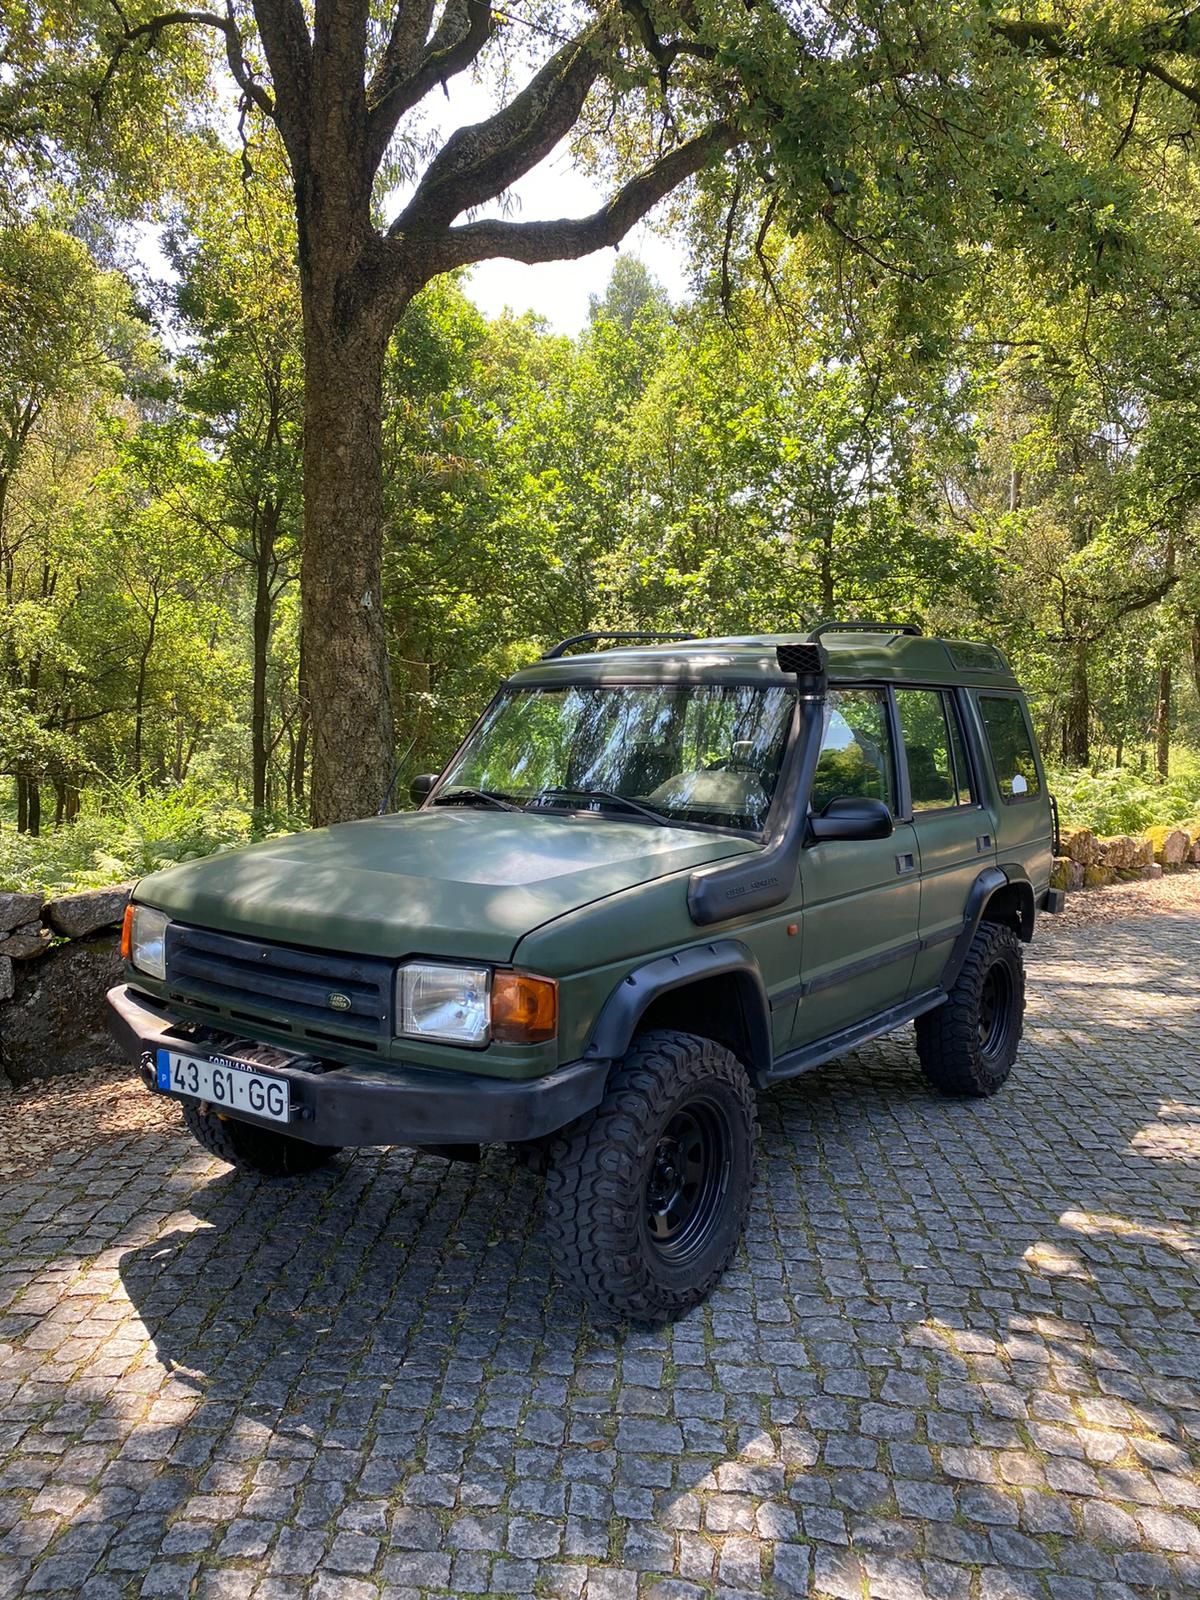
(457, 882)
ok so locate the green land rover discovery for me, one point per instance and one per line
(655, 880)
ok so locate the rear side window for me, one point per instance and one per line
(1011, 744)
(937, 768)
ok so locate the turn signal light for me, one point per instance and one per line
(127, 933)
(524, 1008)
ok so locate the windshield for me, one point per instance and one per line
(691, 753)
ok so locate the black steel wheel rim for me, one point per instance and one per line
(685, 1187)
(995, 1009)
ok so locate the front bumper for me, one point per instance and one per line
(353, 1105)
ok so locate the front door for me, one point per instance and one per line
(955, 837)
(860, 898)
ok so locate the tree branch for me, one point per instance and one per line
(154, 26)
(479, 162)
(568, 238)
(288, 47)
(407, 72)
(1136, 49)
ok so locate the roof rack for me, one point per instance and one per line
(563, 645)
(910, 628)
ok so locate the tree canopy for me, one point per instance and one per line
(277, 509)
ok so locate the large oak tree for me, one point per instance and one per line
(343, 84)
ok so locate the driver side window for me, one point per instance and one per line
(856, 749)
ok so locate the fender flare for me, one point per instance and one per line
(989, 882)
(627, 1003)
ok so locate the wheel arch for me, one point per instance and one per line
(999, 894)
(1012, 903)
(714, 989)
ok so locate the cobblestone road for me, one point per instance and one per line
(958, 1357)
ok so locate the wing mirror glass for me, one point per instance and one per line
(419, 788)
(851, 816)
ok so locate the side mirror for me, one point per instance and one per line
(419, 788)
(851, 816)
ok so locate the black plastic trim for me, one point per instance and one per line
(859, 969)
(1054, 902)
(982, 890)
(625, 1006)
(819, 1051)
(351, 1106)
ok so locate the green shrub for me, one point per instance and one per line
(122, 834)
(1121, 800)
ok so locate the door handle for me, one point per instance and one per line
(905, 863)
(983, 842)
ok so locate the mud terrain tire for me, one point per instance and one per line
(262, 1150)
(967, 1046)
(646, 1197)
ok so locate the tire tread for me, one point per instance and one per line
(592, 1198)
(948, 1037)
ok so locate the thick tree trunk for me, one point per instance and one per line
(1162, 721)
(345, 649)
(1076, 748)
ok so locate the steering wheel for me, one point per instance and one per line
(735, 764)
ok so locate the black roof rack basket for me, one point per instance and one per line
(563, 645)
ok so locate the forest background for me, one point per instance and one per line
(935, 363)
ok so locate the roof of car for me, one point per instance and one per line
(884, 656)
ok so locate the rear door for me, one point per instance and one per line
(1023, 815)
(860, 897)
(955, 837)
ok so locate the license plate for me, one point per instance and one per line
(222, 1081)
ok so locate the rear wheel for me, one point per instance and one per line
(646, 1197)
(968, 1045)
(244, 1144)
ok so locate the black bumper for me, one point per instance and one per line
(350, 1105)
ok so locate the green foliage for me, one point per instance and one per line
(1123, 800)
(122, 834)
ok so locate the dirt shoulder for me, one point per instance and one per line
(1174, 893)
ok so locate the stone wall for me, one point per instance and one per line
(1090, 860)
(58, 958)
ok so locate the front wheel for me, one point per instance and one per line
(246, 1145)
(646, 1197)
(967, 1045)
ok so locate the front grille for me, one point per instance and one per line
(279, 986)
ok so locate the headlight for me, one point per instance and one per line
(144, 939)
(435, 1001)
(472, 1005)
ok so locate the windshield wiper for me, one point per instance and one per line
(603, 794)
(473, 796)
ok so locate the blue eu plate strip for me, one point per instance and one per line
(163, 1068)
